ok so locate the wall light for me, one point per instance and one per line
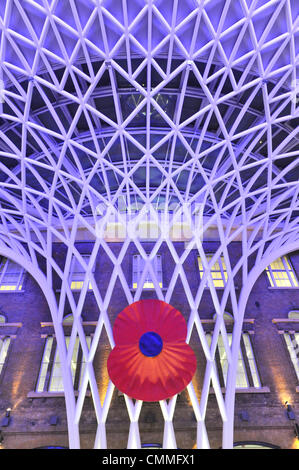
(54, 420)
(290, 412)
(243, 415)
(6, 420)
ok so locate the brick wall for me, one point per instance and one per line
(30, 417)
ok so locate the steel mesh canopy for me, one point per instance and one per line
(159, 104)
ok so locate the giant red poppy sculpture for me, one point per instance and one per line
(151, 360)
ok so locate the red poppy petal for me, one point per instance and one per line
(171, 324)
(163, 318)
(152, 378)
(128, 326)
(149, 315)
(121, 364)
(178, 363)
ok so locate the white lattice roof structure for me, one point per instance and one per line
(158, 103)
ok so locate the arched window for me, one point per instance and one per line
(68, 319)
(226, 317)
(293, 315)
(254, 445)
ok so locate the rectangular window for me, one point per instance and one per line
(50, 375)
(4, 344)
(138, 268)
(77, 273)
(218, 270)
(11, 276)
(43, 373)
(292, 342)
(281, 274)
(245, 376)
(251, 360)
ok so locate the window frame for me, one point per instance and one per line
(291, 349)
(11, 288)
(137, 270)
(222, 270)
(247, 365)
(77, 284)
(51, 366)
(4, 348)
(289, 271)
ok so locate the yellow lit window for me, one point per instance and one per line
(281, 274)
(139, 267)
(11, 276)
(77, 274)
(218, 270)
(77, 285)
(148, 229)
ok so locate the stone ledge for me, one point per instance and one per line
(283, 288)
(246, 390)
(33, 394)
(285, 320)
(17, 291)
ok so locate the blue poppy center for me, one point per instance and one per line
(150, 344)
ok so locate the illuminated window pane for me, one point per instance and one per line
(251, 360)
(223, 358)
(281, 274)
(50, 376)
(148, 230)
(138, 269)
(11, 276)
(56, 382)
(83, 364)
(77, 274)
(68, 319)
(4, 344)
(44, 365)
(254, 446)
(294, 314)
(218, 271)
(292, 342)
(242, 379)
